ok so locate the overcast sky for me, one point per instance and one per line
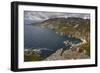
(36, 16)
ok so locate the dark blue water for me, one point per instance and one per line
(36, 37)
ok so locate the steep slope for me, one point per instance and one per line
(76, 27)
(72, 27)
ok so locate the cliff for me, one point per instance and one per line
(75, 27)
(67, 55)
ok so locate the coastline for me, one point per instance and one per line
(70, 53)
(83, 42)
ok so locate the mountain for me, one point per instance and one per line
(72, 27)
(76, 27)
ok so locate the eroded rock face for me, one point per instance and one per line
(75, 27)
(67, 55)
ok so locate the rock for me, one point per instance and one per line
(68, 54)
(55, 56)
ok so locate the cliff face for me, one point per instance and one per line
(75, 27)
(67, 55)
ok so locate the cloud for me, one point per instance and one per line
(41, 15)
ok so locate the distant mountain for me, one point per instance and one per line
(77, 27)
(31, 22)
(65, 22)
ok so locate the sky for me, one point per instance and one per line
(38, 16)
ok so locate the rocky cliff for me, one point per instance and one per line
(67, 55)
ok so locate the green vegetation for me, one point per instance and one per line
(32, 57)
(66, 29)
(77, 27)
(86, 47)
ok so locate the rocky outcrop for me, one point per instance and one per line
(67, 55)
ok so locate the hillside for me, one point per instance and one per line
(72, 27)
(75, 27)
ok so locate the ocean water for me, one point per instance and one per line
(39, 38)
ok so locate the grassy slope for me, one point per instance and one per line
(67, 26)
(32, 57)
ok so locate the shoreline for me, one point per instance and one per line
(83, 42)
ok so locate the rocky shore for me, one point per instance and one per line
(74, 52)
(67, 55)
